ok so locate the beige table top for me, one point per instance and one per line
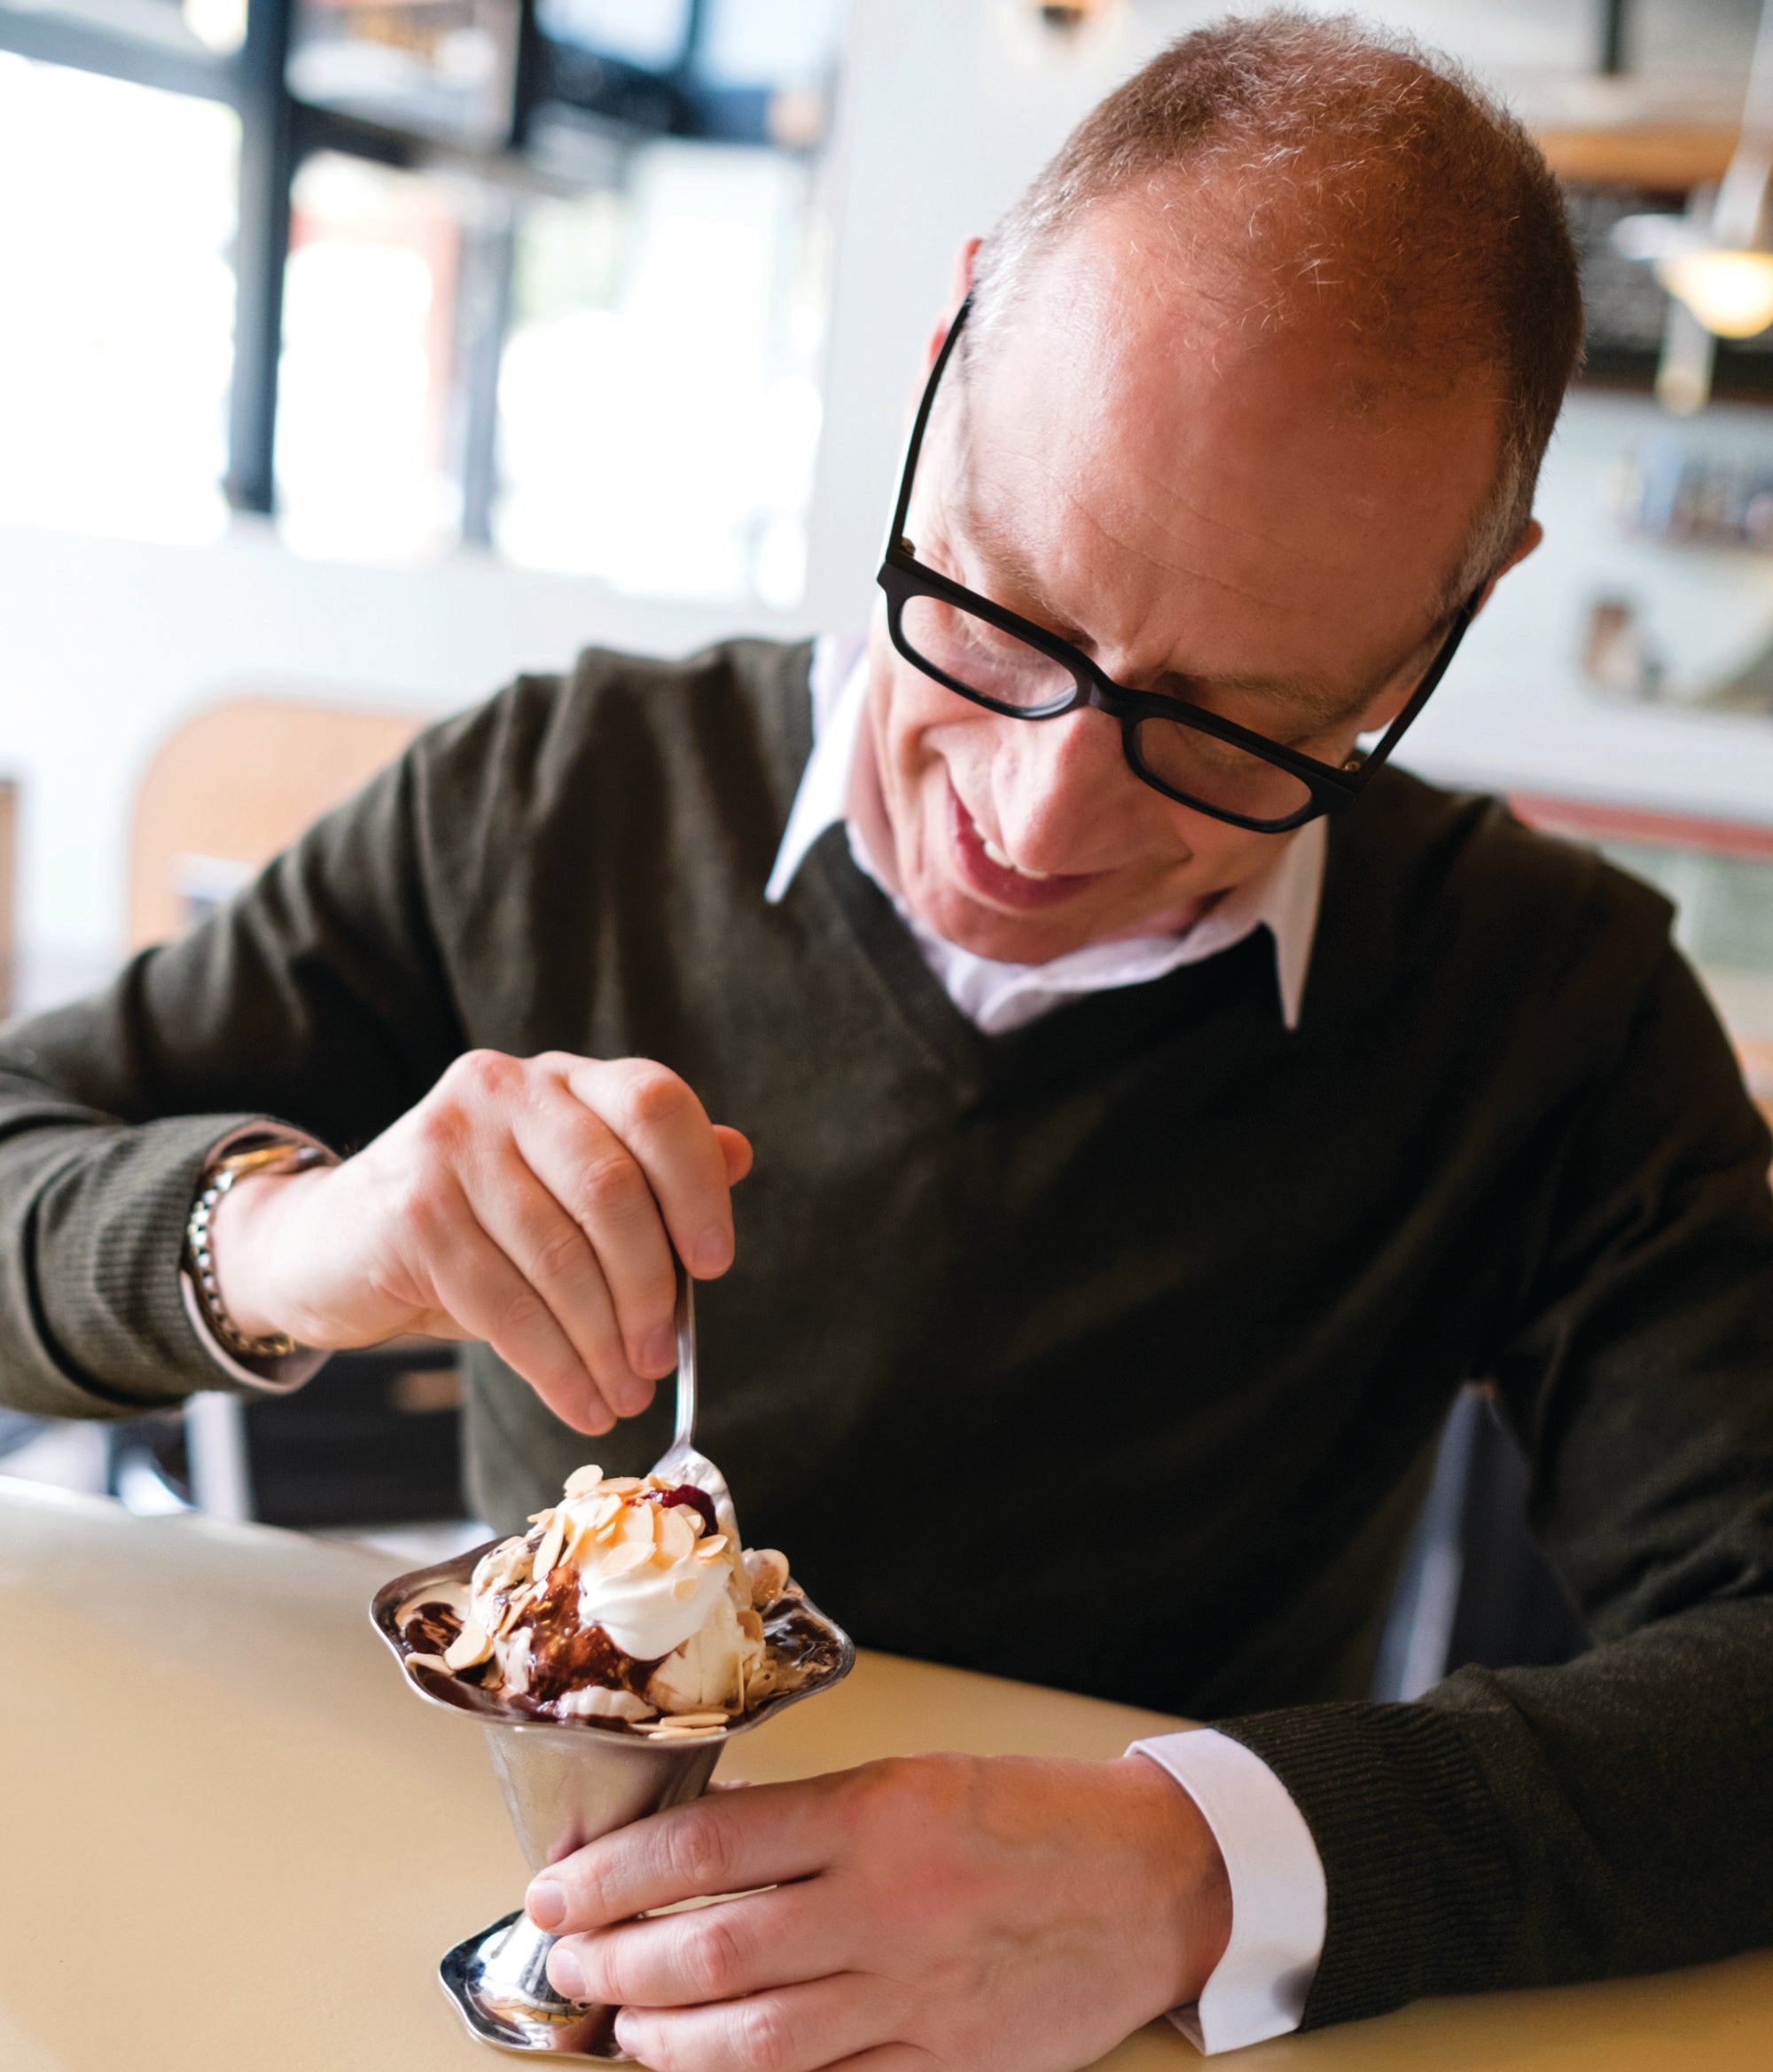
(251, 1850)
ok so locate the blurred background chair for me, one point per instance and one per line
(372, 1442)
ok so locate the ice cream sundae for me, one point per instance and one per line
(626, 1604)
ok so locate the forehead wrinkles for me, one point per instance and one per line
(986, 509)
(964, 486)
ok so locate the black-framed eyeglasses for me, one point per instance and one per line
(1009, 665)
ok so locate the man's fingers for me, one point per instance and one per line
(474, 1280)
(522, 1216)
(603, 1193)
(783, 1937)
(668, 1131)
(768, 1835)
(789, 2028)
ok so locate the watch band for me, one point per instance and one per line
(281, 1155)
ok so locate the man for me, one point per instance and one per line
(1144, 1156)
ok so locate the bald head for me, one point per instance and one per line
(1299, 182)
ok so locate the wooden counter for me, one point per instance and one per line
(233, 1843)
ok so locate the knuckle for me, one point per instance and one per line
(613, 1185)
(652, 1094)
(764, 2034)
(700, 1849)
(441, 1126)
(713, 1956)
(560, 1256)
(485, 1075)
(518, 1313)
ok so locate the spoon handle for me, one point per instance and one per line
(685, 1432)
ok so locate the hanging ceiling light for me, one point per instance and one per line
(1068, 14)
(1717, 259)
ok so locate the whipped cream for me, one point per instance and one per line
(651, 1604)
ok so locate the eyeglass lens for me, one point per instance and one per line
(1003, 671)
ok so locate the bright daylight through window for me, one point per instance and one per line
(117, 207)
(569, 312)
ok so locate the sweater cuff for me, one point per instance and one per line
(107, 1248)
(1421, 1894)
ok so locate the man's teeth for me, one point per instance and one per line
(1004, 863)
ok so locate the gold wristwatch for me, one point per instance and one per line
(283, 1154)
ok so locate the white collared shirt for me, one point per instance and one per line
(1258, 1988)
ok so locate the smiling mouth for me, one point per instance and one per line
(988, 873)
(1006, 862)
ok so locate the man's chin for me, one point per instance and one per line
(984, 931)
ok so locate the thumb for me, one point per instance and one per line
(736, 1150)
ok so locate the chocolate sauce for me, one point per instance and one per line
(563, 1654)
(431, 1629)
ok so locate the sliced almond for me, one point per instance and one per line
(696, 1719)
(709, 1550)
(549, 1553)
(676, 1539)
(672, 1731)
(472, 1646)
(623, 1485)
(624, 1560)
(684, 1588)
(428, 1661)
(583, 1480)
(638, 1525)
(750, 1624)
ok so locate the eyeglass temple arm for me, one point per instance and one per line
(902, 509)
(1424, 690)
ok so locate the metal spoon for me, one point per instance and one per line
(680, 1461)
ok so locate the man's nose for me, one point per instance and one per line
(1066, 794)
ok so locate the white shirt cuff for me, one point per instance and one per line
(1258, 1986)
(280, 1375)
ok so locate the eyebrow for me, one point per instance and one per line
(1313, 702)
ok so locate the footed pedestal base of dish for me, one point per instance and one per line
(499, 1981)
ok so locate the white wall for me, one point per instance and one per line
(105, 645)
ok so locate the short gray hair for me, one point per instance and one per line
(1371, 178)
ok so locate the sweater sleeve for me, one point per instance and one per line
(1613, 1815)
(318, 998)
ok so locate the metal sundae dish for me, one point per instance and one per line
(609, 1652)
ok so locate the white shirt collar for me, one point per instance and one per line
(839, 784)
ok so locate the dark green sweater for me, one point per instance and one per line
(1107, 1353)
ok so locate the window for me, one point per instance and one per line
(540, 275)
(117, 214)
(364, 467)
(658, 412)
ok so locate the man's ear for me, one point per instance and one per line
(959, 287)
(1385, 708)
(1529, 539)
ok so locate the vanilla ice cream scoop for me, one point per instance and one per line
(623, 1601)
